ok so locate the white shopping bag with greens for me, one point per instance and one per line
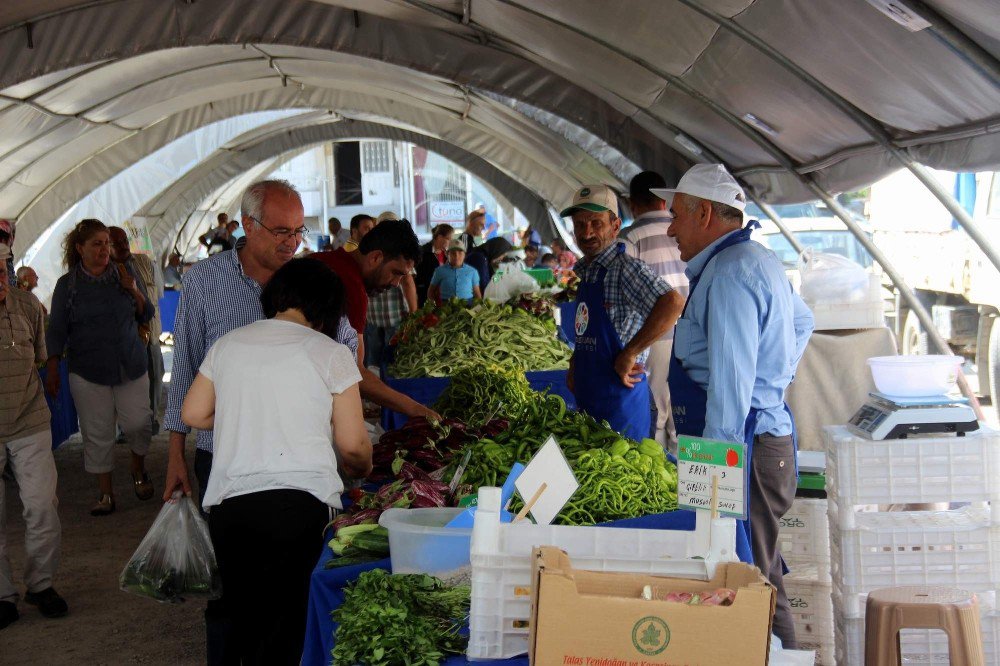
(175, 560)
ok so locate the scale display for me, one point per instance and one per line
(886, 417)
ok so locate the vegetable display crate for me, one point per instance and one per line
(804, 537)
(919, 469)
(917, 646)
(959, 548)
(812, 612)
(501, 565)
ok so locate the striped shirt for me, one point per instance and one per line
(647, 240)
(218, 297)
(630, 290)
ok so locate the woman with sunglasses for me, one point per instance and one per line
(96, 311)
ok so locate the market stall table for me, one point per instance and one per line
(326, 588)
(426, 391)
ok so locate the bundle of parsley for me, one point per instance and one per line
(391, 619)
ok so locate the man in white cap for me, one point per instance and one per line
(622, 308)
(736, 347)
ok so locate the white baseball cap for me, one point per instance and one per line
(707, 181)
(596, 198)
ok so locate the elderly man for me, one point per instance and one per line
(27, 279)
(220, 294)
(142, 266)
(622, 308)
(26, 443)
(647, 241)
(736, 348)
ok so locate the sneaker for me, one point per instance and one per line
(49, 603)
(8, 613)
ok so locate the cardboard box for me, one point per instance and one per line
(585, 618)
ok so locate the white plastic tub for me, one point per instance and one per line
(419, 542)
(915, 376)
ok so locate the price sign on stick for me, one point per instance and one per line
(547, 483)
(704, 463)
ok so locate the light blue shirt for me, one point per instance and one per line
(455, 282)
(742, 337)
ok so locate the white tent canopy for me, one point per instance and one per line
(788, 94)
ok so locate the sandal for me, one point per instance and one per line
(143, 486)
(104, 507)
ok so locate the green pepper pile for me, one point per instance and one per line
(438, 341)
(618, 478)
(479, 395)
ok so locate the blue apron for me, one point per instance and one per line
(598, 388)
(689, 401)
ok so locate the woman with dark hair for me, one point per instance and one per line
(486, 258)
(283, 400)
(96, 312)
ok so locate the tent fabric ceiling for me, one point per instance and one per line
(168, 211)
(781, 90)
(529, 152)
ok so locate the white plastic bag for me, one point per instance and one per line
(511, 284)
(175, 559)
(829, 279)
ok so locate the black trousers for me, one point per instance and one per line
(266, 544)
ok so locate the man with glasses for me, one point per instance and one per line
(222, 293)
(26, 443)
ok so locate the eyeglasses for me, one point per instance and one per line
(282, 234)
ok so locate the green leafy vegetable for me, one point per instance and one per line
(388, 619)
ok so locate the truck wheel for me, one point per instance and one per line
(914, 338)
(994, 365)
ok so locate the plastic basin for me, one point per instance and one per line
(419, 542)
(915, 376)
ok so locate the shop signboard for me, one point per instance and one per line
(447, 212)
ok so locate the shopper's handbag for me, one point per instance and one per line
(175, 560)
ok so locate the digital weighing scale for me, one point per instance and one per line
(892, 417)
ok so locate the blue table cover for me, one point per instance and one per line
(64, 420)
(426, 390)
(168, 309)
(567, 321)
(326, 588)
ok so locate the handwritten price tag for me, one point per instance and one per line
(701, 460)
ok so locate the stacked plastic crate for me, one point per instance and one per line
(804, 538)
(871, 549)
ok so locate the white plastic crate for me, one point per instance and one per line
(917, 646)
(959, 548)
(825, 651)
(919, 469)
(812, 606)
(501, 565)
(804, 536)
